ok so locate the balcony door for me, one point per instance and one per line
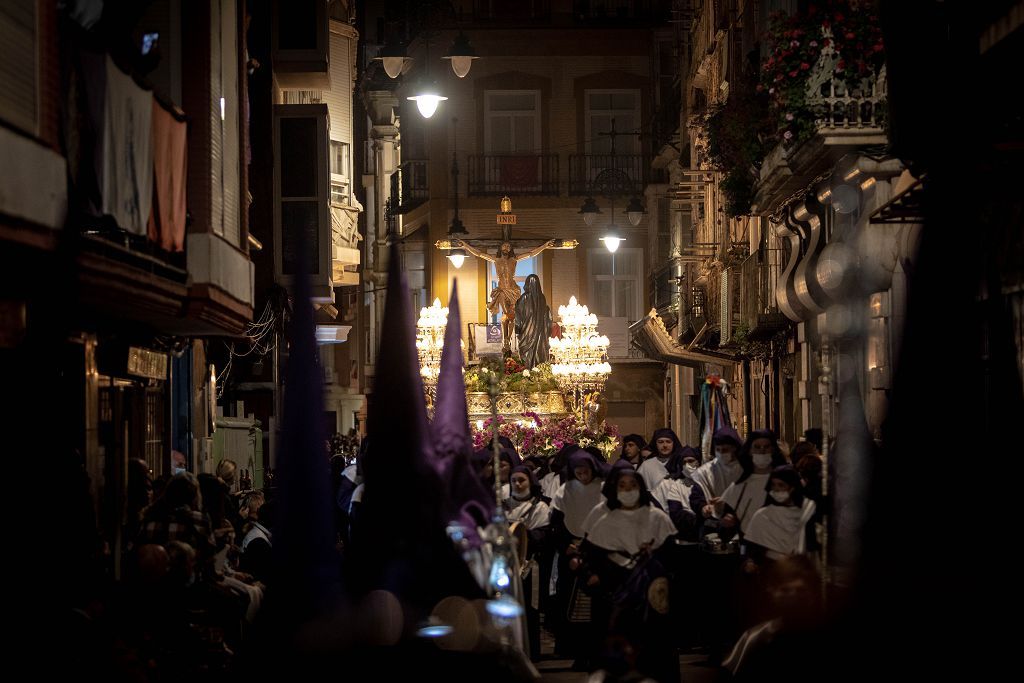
(601, 107)
(512, 139)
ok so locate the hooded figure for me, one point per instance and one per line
(400, 543)
(526, 503)
(714, 476)
(615, 561)
(674, 492)
(578, 495)
(758, 456)
(533, 323)
(449, 430)
(632, 445)
(664, 461)
(626, 521)
(783, 525)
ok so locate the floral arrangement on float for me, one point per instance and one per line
(837, 39)
(534, 435)
(512, 376)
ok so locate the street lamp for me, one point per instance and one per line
(461, 55)
(456, 230)
(427, 98)
(612, 183)
(428, 18)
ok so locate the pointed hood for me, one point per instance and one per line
(305, 559)
(452, 446)
(400, 540)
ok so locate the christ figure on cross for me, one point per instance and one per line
(507, 292)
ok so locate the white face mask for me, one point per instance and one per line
(725, 457)
(688, 470)
(779, 496)
(521, 496)
(629, 498)
(761, 460)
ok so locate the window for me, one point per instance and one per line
(523, 268)
(512, 122)
(19, 97)
(615, 281)
(413, 263)
(602, 107)
(341, 172)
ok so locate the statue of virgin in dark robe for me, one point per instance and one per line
(533, 323)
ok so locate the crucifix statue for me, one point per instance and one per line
(504, 258)
(506, 294)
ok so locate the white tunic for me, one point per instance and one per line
(576, 501)
(533, 513)
(781, 528)
(677, 490)
(747, 497)
(714, 477)
(653, 471)
(627, 530)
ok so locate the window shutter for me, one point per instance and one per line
(302, 196)
(19, 56)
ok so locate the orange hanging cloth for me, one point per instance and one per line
(167, 219)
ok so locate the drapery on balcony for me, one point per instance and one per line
(409, 186)
(584, 169)
(513, 174)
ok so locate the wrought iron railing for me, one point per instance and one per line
(845, 104)
(409, 186)
(513, 174)
(585, 173)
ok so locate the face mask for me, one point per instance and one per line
(576, 484)
(688, 470)
(779, 496)
(762, 459)
(521, 496)
(629, 498)
(725, 457)
(177, 470)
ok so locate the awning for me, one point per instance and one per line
(650, 335)
(905, 205)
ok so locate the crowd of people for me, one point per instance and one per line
(614, 553)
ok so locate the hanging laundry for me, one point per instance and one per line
(127, 159)
(170, 167)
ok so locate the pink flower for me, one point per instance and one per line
(792, 74)
(814, 43)
(787, 135)
(794, 43)
(789, 117)
(771, 91)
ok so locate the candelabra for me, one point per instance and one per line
(429, 344)
(580, 356)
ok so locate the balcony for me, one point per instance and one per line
(513, 174)
(409, 186)
(301, 45)
(848, 115)
(627, 172)
(759, 275)
(663, 289)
